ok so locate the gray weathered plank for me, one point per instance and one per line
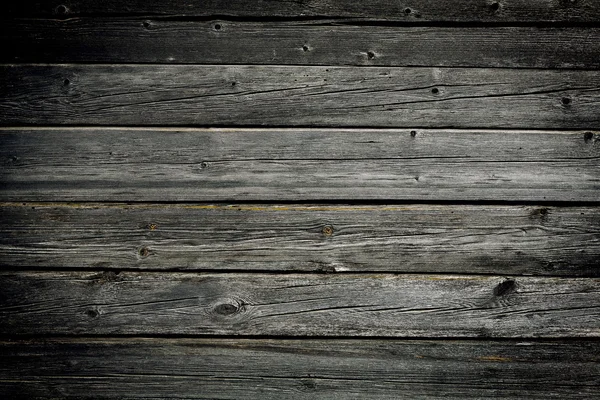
(73, 303)
(99, 164)
(298, 96)
(378, 10)
(298, 369)
(408, 238)
(152, 40)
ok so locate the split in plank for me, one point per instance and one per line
(103, 164)
(372, 10)
(409, 238)
(293, 369)
(72, 303)
(143, 40)
(298, 96)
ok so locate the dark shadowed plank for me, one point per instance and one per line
(378, 10)
(154, 40)
(107, 303)
(298, 96)
(99, 164)
(419, 238)
(298, 369)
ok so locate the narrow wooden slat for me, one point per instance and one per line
(73, 303)
(298, 96)
(424, 238)
(378, 10)
(294, 369)
(99, 164)
(152, 40)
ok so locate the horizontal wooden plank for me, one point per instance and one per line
(379, 10)
(151, 40)
(71, 303)
(298, 369)
(298, 96)
(99, 164)
(408, 238)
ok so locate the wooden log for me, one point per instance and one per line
(374, 10)
(152, 40)
(298, 369)
(298, 96)
(128, 303)
(64, 164)
(407, 238)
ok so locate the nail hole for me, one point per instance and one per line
(218, 27)
(566, 101)
(62, 9)
(588, 136)
(407, 11)
(435, 90)
(233, 83)
(305, 48)
(413, 133)
(327, 230)
(371, 55)
(495, 6)
(203, 164)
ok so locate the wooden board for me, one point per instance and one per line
(298, 369)
(151, 40)
(373, 10)
(403, 238)
(298, 96)
(75, 303)
(66, 164)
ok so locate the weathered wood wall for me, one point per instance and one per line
(308, 199)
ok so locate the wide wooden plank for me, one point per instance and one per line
(298, 369)
(407, 238)
(154, 40)
(378, 10)
(298, 96)
(97, 164)
(71, 303)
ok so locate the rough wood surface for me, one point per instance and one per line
(298, 96)
(100, 164)
(378, 10)
(72, 303)
(407, 238)
(151, 40)
(298, 369)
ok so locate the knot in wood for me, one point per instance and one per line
(327, 230)
(144, 252)
(505, 288)
(226, 309)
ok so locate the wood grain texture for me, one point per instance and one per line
(72, 303)
(151, 40)
(378, 10)
(298, 96)
(298, 369)
(65, 164)
(408, 238)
